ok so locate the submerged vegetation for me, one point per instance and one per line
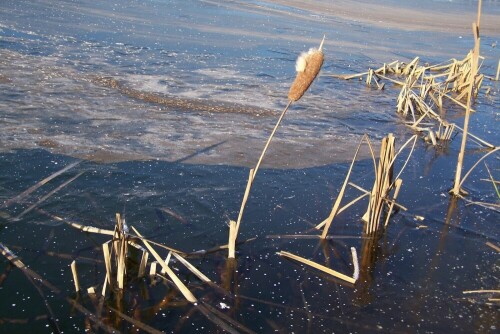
(131, 259)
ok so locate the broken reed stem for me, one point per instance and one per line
(342, 209)
(480, 291)
(27, 271)
(142, 266)
(495, 247)
(414, 138)
(492, 180)
(75, 276)
(398, 184)
(107, 262)
(120, 245)
(89, 229)
(317, 266)
(387, 200)
(159, 244)
(476, 138)
(232, 239)
(327, 222)
(251, 176)
(178, 283)
(457, 102)
(105, 285)
(477, 163)
(152, 268)
(192, 268)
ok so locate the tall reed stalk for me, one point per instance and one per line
(308, 66)
(471, 87)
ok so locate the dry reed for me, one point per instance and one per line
(308, 66)
(318, 266)
(471, 86)
(493, 182)
(107, 262)
(381, 186)
(495, 247)
(27, 271)
(421, 91)
(120, 245)
(379, 200)
(178, 283)
(424, 88)
(75, 276)
(335, 209)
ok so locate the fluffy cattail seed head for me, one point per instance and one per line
(308, 65)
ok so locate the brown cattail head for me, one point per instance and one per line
(307, 66)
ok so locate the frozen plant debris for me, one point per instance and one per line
(223, 306)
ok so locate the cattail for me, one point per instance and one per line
(307, 66)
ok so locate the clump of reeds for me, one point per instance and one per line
(307, 66)
(381, 186)
(424, 88)
(382, 199)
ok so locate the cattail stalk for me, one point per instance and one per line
(308, 66)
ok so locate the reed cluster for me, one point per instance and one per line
(424, 88)
(381, 200)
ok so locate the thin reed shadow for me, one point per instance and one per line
(198, 152)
